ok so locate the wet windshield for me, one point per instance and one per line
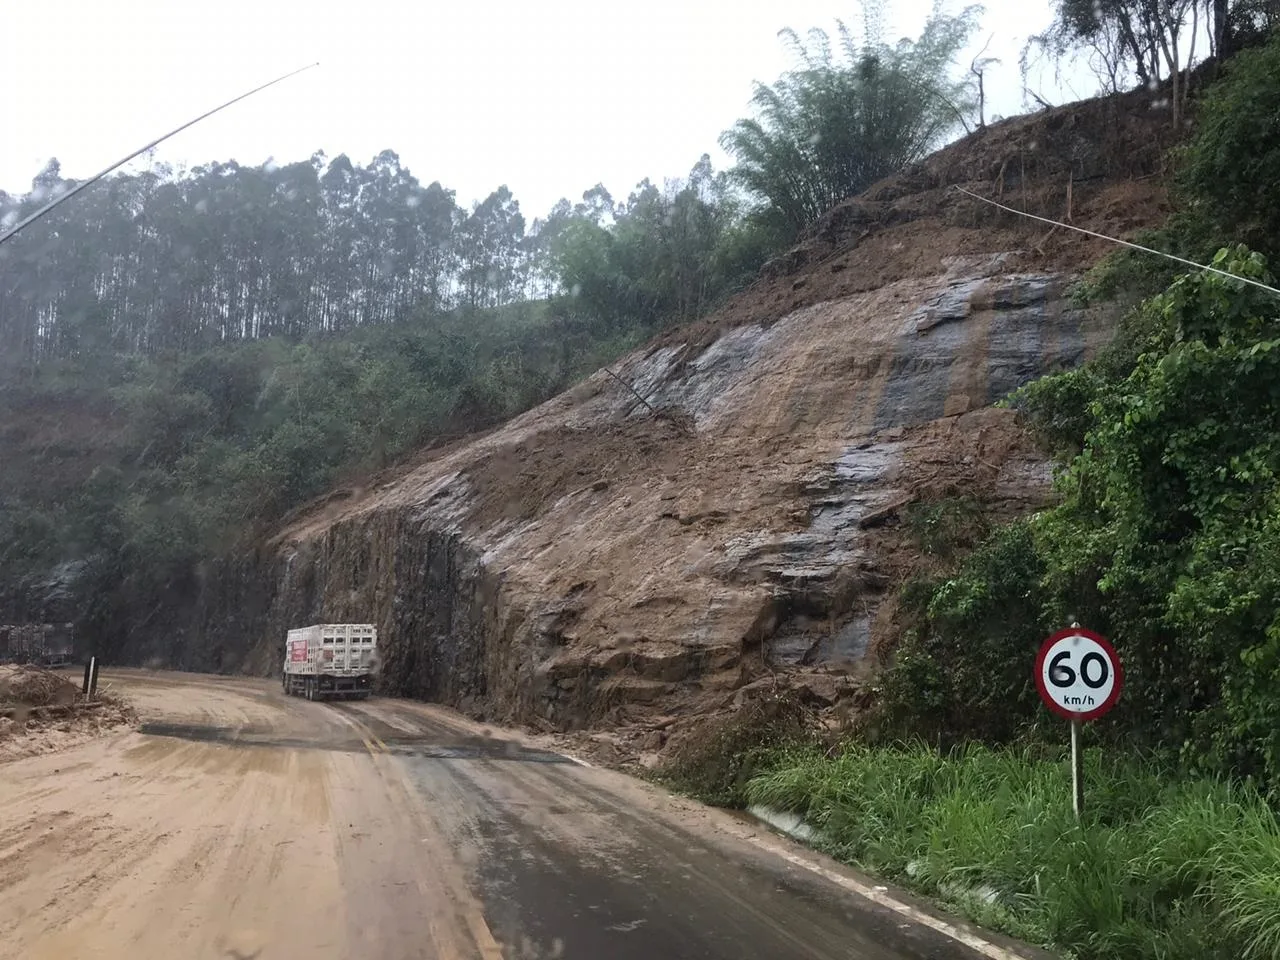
(640, 480)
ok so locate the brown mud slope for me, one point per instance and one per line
(596, 564)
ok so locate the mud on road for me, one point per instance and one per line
(239, 823)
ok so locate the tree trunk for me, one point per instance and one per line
(1218, 33)
(1128, 38)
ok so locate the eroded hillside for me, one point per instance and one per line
(633, 560)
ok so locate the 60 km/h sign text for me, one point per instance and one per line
(1094, 673)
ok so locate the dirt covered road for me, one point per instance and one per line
(239, 823)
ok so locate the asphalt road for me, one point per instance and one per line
(240, 823)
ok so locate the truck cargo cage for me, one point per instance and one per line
(330, 660)
(47, 644)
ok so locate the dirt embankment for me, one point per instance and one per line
(597, 566)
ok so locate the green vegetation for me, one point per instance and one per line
(844, 119)
(942, 526)
(209, 447)
(1229, 175)
(1165, 539)
(1159, 866)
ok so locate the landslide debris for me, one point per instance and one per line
(42, 710)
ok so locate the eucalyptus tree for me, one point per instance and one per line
(159, 260)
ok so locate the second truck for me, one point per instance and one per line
(331, 660)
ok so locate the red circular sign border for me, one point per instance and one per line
(1101, 641)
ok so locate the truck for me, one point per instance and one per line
(47, 644)
(330, 660)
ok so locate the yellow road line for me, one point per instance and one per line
(367, 736)
(464, 901)
(482, 935)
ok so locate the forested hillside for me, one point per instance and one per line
(190, 354)
(176, 261)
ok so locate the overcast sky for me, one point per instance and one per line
(547, 96)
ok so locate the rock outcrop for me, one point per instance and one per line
(599, 556)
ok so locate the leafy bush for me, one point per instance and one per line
(1230, 172)
(961, 671)
(944, 525)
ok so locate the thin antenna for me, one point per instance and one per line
(119, 163)
(1123, 243)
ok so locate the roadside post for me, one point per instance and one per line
(90, 678)
(1079, 676)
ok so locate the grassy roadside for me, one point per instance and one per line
(1161, 866)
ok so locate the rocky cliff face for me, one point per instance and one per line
(600, 557)
(718, 509)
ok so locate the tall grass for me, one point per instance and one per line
(1159, 867)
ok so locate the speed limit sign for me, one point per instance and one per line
(1078, 674)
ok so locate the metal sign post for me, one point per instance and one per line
(1079, 676)
(1077, 768)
